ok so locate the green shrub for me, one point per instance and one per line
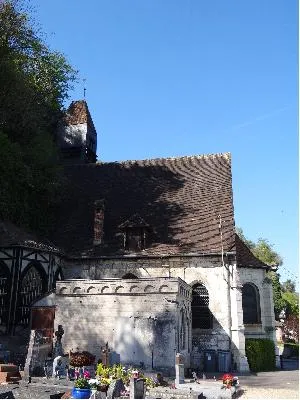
(82, 383)
(260, 354)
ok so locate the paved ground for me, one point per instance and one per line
(264, 385)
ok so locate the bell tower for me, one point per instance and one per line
(77, 136)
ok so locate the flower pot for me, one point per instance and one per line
(81, 393)
(103, 388)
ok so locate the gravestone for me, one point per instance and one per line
(137, 388)
(115, 389)
(179, 369)
(58, 350)
(7, 395)
(60, 366)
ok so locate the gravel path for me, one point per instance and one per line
(255, 393)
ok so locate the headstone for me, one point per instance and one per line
(60, 366)
(7, 395)
(48, 368)
(179, 369)
(58, 350)
(28, 366)
(137, 388)
(9, 373)
(115, 389)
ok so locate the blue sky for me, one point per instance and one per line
(171, 78)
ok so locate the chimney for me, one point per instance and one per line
(98, 222)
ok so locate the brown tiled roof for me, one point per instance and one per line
(78, 113)
(245, 257)
(179, 198)
(13, 235)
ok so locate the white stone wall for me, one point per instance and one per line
(72, 135)
(266, 329)
(225, 297)
(138, 318)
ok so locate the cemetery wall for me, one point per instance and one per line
(140, 320)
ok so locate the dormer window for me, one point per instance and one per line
(135, 239)
(135, 233)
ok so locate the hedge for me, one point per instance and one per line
(260, 354)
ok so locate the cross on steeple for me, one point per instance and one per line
(84, 88)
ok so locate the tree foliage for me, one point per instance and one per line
(34, 82)
(291, 301)
(288, 286)
(262, 249)
(279, 303)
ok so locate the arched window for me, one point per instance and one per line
(129, 276)
(32, 286)
(251, 304)
(201, 314)
(4, 293)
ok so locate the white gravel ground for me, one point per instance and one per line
(260, 393)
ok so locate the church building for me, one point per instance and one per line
(144, 256)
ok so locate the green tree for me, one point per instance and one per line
(34, 83)
(291, 303)
(242, 236)
(279, 303)
(263, 250)
(288, 286)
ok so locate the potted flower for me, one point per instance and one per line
(104, 384)
(82, 389)
(227, 380)
(94, 383)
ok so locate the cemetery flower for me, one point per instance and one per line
(86, 375)
(94, 383)
(80, 359)
(105, 381)
(82, 383)
(227, 380)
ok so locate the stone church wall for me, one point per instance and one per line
(225, 297)
(140, 319)
(266, 329)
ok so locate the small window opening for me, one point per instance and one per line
(135, 239)
(251, 304)
(201, 314)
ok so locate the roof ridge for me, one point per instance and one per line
(226, 155)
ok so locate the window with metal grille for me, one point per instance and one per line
(32, 286)
(251, 304)
(201, 314)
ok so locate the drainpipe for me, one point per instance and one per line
(229, 308)
(227, 279)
